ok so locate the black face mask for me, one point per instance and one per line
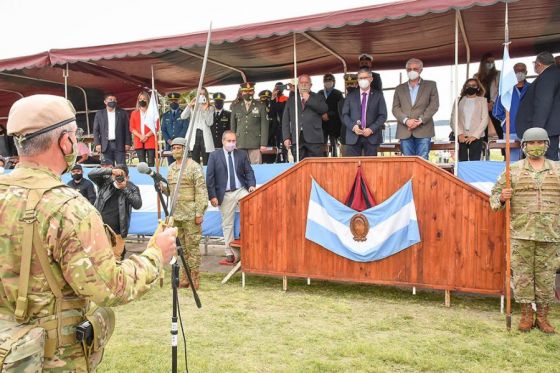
(174, 106)
(142, 103)
(219, 104)
(77, 177)
(471, 91)
(112, 104)
(247, 97)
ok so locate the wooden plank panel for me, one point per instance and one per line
(454, 219)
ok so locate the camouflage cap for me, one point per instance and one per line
(535, 134)
(178, 141)
(37, 114)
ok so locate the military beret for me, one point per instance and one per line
(265, 94)
(33, 115)
(178, 141)
(365, 56)
(173, 96)
(219, 96)
(247, 86)
(77, 167)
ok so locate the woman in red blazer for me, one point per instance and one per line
(144, 138)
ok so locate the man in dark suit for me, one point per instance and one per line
(331, 119)
(363, 114)
(311, 107)
(111, 135)
(540, 107)
(229, 177)
(366, 60)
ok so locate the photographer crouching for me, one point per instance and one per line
(116, 198)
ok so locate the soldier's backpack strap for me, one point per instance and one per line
(29, 218)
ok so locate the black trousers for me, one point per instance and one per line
(151, 153)
(199, 149)
(362, 147)
(113, 154)
(552, 152)
(309, 150)
(470, 152)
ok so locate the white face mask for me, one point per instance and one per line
(329, 85)
(413, 75)
(201, 99)
(1, 170)
(229, 147)
(520, 76)
(363, 83)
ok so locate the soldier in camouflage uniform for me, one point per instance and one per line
(535, 227)
(191, 205)
(61, 237)
(249, 121)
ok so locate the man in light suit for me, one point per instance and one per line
(414, 105)
(363, 113)
(540, 107)
(229, 177)
(311, 107)
(111, 135)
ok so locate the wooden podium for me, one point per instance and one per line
(463, 240)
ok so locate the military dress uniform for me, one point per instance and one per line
(535, 229)
(172, 126)
(222, 121)
(192, 202)
(58, 247)
(250, 125)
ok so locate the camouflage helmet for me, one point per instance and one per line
(178, 141)
(535, 134)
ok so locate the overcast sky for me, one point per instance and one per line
(32, 26)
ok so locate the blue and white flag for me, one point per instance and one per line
(392, 225)
(507, 80)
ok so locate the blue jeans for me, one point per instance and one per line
(416, 146)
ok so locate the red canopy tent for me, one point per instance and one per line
(258, 52)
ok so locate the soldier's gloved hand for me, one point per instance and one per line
(166, 242)
(506, 194)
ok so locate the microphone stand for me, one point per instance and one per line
(175, 285)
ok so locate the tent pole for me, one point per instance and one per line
(65, 75)
(156, 136)
(296, 99)
(465, 40)
(215, 63)
(455, 89)
(325, 47)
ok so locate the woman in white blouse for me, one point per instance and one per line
(201, 143)
(473, 120)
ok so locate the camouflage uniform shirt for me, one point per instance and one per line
(535, 201)
(193, 196)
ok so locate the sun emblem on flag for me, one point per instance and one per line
(359, 226)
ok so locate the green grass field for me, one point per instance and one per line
(325, 327)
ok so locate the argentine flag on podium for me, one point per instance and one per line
(391, 226)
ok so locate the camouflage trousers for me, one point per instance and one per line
(534, 265)
(71, 359)
(189, 235)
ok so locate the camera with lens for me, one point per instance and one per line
(119, 178)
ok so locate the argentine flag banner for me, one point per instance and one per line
(365, 236)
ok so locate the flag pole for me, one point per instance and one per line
(455, 89)
(156, 138)
(296, 100)
(508, 203)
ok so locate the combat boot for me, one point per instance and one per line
(542, 319)
(195, 274)
(527, 321)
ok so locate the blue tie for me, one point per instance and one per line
(231, 172)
